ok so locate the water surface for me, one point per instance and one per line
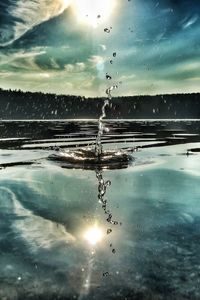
(45, 210)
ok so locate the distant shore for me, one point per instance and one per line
(20, 105)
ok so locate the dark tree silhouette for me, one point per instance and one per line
(26, 105)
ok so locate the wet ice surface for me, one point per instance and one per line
(45, 210)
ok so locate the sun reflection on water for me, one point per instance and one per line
(93, 235)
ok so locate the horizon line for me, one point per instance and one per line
(96, 97)
(96, 120)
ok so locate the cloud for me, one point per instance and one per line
(98, 62)
(54, 64)
(22, 15)
(189, 22)
(157, 46)
(75, 68)
(103, 47)
(21, 59)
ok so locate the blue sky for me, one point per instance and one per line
(47, 45)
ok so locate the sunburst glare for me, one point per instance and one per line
(93, 12)
(93, 235)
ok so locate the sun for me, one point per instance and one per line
(93, 12)
(93, 235)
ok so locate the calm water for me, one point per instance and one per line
(46, 210)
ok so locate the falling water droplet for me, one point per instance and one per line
(107, 30)
(115, 223)
(110, 89)
(109, 231)
(108, 77)
(114, 54)
(98, 145)
(108, 183)
(109, 219)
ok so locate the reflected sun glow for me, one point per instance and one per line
(93, 235)
(93, 12)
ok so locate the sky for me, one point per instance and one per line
(69, 46)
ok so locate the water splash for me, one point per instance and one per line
(102, 189)
(98, 145)
(108, 77)
(101, 127)
(107, 30)
(109, 91)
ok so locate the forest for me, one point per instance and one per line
(17, 105)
